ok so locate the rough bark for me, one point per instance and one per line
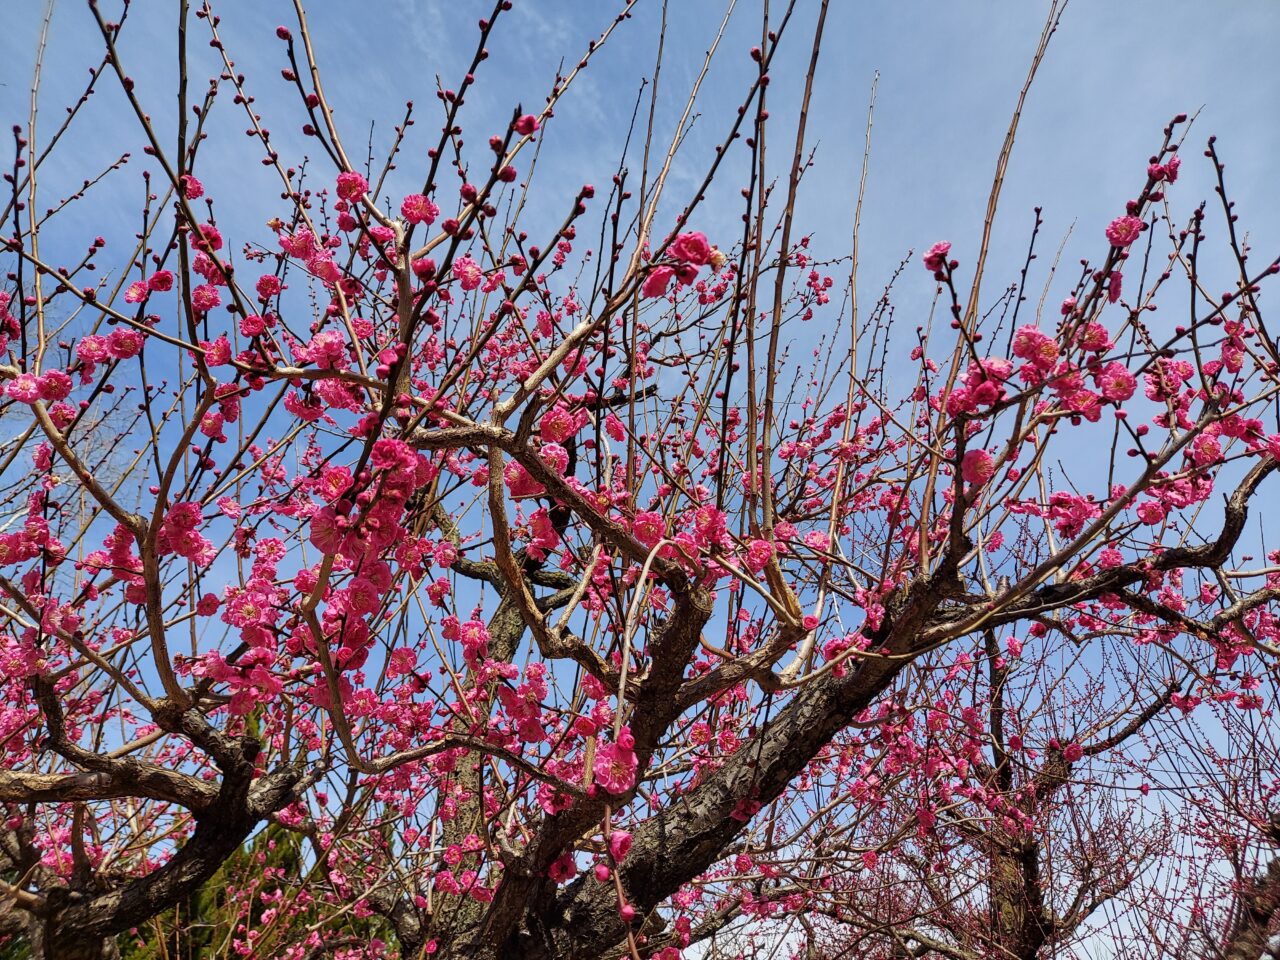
(690, 834)
(530, 918)
(1257, 906)
(1020, 926)
(79, 924)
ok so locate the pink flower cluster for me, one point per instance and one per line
(417, 208)
(304, 245)
(1166, 172)
(935, 258)
(1122, 231)
(352, 186)
(615, 764)
(523, 705)
(51, 386)
(160, 281)
(1032, 344)
(977, 467)
(982, 386)
(690, 251)
(179, 534)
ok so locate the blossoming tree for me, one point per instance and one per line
(447, 588)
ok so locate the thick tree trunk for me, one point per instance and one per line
(49, 943)
(457, 915)
(1258, 907)
(82, 925)
(1020, 924)
(1014, 926)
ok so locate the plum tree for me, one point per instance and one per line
(467, 585)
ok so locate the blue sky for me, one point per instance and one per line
(949, 78)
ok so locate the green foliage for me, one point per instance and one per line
(205, 925)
